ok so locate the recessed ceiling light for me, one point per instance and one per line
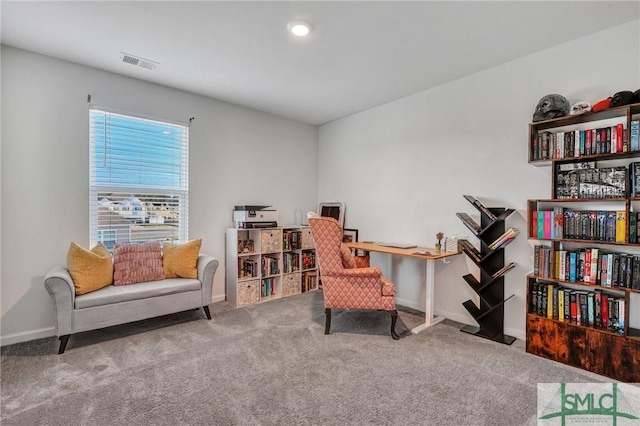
(299, 28)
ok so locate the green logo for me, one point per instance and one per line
(589, 401)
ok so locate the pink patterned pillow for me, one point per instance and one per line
(136, 263)
(347, 258)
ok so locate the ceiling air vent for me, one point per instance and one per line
(137, 61)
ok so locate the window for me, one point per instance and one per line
(139, 179)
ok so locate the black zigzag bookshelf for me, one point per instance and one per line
(493, 238)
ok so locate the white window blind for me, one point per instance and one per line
(139, 179)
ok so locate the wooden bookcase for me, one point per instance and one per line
(269, 263)
(612, 352)
(490, 261)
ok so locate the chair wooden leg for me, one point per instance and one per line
(63, 343)
(394, 318)
(327, 322)
(206, 312)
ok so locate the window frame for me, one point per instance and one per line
(178, 193)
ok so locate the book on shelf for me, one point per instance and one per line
(588, 265)
(503, 239)
(481, 207)
(503, 270)
(583, 180)
(600, 225)
(634, 179)
(634, 135)
(469, 222)
(546, 145)
(595, 309)
(470, 250)
(566, 177)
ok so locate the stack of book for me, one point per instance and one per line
(291, 240)
(583, 180)
(247, 268)
(596, 225)
(595, 309)
(470, 250)
(578, 143)
(481, 207)
(309, 281)
(503, 270)
(589, 266)
(469, 222)
(290, 262)
(270, 266)
(503, 239)
(267, 287)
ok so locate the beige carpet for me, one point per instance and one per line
(271, 364)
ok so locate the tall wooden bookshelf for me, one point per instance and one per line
(269, 263)
(572, 228)
(493, 238)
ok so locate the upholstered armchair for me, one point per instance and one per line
(344, 286)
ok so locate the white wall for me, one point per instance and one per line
(403, 167)
(237, 156)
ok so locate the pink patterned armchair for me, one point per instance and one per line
(344, 286)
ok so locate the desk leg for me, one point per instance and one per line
(429, 319)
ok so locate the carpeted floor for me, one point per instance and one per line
(271, 364)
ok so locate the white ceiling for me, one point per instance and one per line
(359, 55)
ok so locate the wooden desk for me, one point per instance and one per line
(429, 318)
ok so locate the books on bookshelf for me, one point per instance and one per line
(584, 181)
(567, 178)
(548, 145)
(481, 207)
(596, 225)
(470, 250)
(290, 262)
(308, 259)
(267, 287)
(247, 268)
(500, 272)
(291, 240)
(309, 281)
(503, 239)
(634, 135)
(270, 266)
(596, 308)
(469, 222)
(588, 265)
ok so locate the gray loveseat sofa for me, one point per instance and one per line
(113, 305)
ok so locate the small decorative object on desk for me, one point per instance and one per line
(439, 237)
(451, 244)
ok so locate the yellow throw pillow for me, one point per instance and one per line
(90, 269)
(179, 260)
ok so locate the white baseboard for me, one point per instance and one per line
(410, 304)
(455, 316)
(27, 335)
(218, 298)
(518, 334)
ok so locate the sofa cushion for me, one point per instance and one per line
(180, 260)
(116, 294)
(137, 263)
(90, 269)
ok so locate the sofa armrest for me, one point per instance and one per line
(207, 267)
(60, 286)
